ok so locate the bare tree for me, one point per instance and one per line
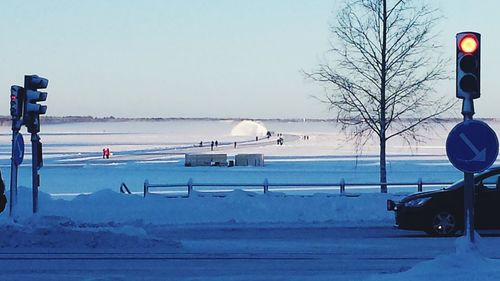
(385, 65)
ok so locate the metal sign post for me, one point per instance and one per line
(16, 110)
(36, 164)
(471, 146)
(16, 160)
(469, 222)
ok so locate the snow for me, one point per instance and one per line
(466, 264)
(248, 128)
(107, 220)
(101, 219)
(110, 207)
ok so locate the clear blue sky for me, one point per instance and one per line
(197, 58)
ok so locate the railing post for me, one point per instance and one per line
(419, 185)
(124, 188)
(146, 187)
(266, 186)
(190, 186)
(342, 186)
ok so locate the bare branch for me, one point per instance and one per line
(384, 65)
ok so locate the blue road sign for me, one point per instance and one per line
(472, 146)
(18, 149)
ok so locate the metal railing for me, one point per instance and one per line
(281, 187)
(124, 188)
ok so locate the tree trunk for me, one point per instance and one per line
(383, 174)
(382, 74)
(383, 170)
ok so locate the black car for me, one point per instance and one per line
(441, 212)
(3, 199)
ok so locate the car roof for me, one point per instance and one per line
(496, 168)
(490, 171)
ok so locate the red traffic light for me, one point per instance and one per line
(13, 98)
(468, 44)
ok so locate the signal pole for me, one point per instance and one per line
(468, 88)
(16, 110)
(25, 110)
(31, 117)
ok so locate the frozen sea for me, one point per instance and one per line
(154, 151)
(106, 235)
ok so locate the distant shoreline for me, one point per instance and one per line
(5, 120)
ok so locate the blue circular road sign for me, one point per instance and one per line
(18, 149)
(472, 146)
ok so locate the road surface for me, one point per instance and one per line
(240, 252)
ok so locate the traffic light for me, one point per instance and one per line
(32, 97)
(16, 101)
(468, 65)
(32, 109)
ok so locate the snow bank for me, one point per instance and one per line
(247, 128)
(54, 232)
(112, 220)
(106, 206)
(466, 264)
(57, 226)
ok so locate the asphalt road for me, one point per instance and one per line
(234, 252)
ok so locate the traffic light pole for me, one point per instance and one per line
(469, 206)
(468, 112)
(25, 110)
(13, 176)
(35, 166)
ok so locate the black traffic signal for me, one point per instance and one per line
(16, 101)
(468, 65)
(32, 110)
(32, 107)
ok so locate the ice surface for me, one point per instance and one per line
(154, 150)
(105, 219)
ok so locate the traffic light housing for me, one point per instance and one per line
(16, 102)
(32, 107)
(468, 65)
(32, 110)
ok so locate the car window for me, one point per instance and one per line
(456, 185)
(491, 182)
(487, 183)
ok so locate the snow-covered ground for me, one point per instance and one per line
(155, 151)
(466, 263)
(104, 221)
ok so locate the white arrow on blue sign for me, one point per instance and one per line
(18, 149)
(472, 146)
